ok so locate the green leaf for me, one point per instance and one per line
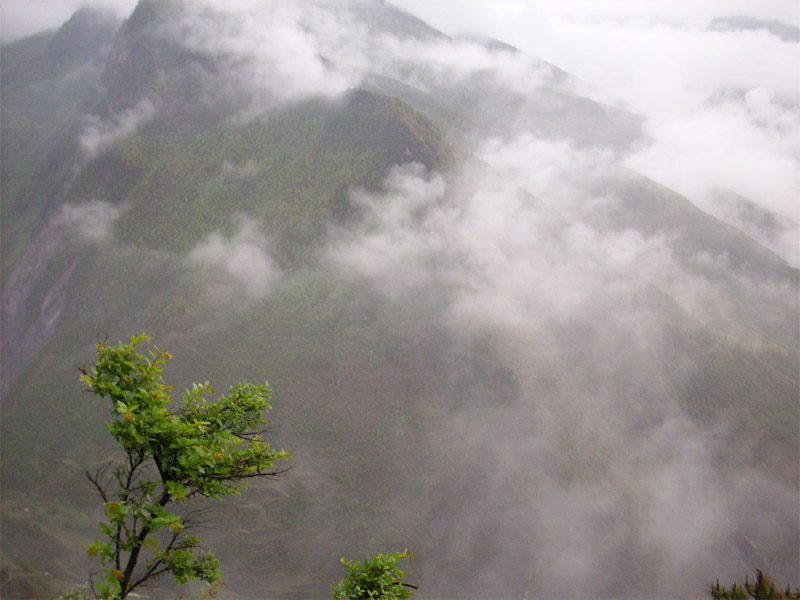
(197, 438)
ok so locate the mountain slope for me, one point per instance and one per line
(49, 80)
(506, 371)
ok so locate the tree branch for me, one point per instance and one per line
(250, 474)
(133, 557)
(99, 474)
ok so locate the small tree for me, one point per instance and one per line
(375, 578)
(761, 588)
(172, 452)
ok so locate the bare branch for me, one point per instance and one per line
(99, 475)
(258, 473)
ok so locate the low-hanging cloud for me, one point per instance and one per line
(748, 145)
(453, 62)
(241, 268)
(575, 182)
(598, 474)
(265, 52)
(91, 221)
(721, 107)
(508, 258)
(99, 133)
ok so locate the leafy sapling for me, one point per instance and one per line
(172, 452)
(377, 577)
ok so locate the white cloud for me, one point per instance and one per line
(91, 221)
(501, 255)
(241, 267)
(452, 63)
(397, 241)
(662, 68)
(723, 108)
(594, 462)
(750, 147)
(596, 459)
(99, 134)
(267, 50)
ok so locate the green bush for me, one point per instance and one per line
(375, 578)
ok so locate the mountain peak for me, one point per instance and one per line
(83, 37)
(384, 16)
(150, 12)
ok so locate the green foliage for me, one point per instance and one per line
(761, 588)
(375, 578)
(81, 592)
(172, 453)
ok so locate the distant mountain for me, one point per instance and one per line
(788, 33)
(543, 373)
(774, 231)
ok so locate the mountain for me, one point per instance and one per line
(543, 373)
(777, 232)
(786, 32)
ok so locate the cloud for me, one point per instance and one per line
(91, 221)
(267, 51)
(748, 145)
(388, 249)
(327, 48)
(723, 108)
(501, 256)
(778, 233)
(241, 268)
(562, 171)
(663, 69)
(99, 134)
(453, 63)
(594, 472)
(590, 471)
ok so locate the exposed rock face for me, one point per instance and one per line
(23, 336)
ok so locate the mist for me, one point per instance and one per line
(588, 468)
(730, 97)
(100, 134)
(240, 267)
(91, 221)
(583, 469)
(559, 336)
